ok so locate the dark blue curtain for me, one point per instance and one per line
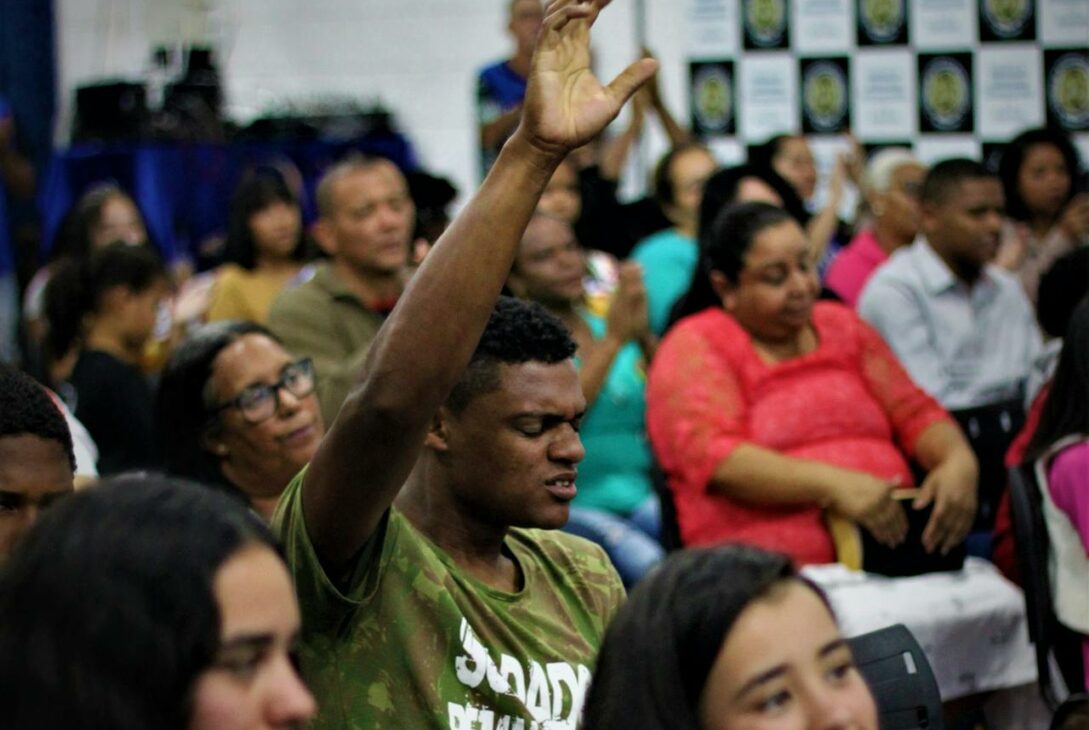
(28, 72)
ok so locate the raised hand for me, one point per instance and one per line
(565, 104)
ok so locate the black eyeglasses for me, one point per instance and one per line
(260, 402)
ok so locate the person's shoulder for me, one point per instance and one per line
(900, 266)
(230, 278)
(835, 315)
(573, 559)
(899, 274)
(711, 325)
(667, 243)
(98, 364)
(1073, 459)
(305, 295)
(1006, 281)
(664, 237)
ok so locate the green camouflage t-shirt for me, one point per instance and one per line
(414, 642)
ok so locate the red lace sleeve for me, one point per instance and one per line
(695, 405)
(909, 408)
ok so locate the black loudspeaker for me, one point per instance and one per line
(110, 111)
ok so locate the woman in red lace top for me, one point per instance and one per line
(766, 407)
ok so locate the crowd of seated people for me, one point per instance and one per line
(460, 486)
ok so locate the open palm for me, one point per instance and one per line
(566, 106)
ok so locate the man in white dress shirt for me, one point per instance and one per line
(962, 326)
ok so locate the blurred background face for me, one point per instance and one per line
(525, 23)
(773, 298)
(252, 683)
(965, 228)
(371, 225)
(561, 197)
(549, 267)
(118, 221)
(276, 228)
(688, 173)
(261, 458)
(899, 205)
(784, 666)
(1043, 180)
(794, 162)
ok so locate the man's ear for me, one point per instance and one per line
(323, 234)
(929, 218)
(437, 435)
(724, 290)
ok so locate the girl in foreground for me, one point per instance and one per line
(144, 603)
(727, 638)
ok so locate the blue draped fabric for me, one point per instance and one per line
(27, 83)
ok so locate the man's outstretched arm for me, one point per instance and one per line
(427, 342)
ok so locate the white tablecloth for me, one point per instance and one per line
(971, 624)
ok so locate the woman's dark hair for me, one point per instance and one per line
(764, 153)
(723, 248)
(184, 409)
(723, 187)
(107, 608)
(76, 287)
(1013, 157)
(73, 237)
(1062, 288)
(1066, 411)
(256, 192)
(664, 193)
(661, 646)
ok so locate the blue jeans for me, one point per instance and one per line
(630, 542)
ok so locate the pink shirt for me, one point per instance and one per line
(848, 403)
(1068, 483)
(851, 270)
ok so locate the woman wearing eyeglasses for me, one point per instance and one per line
(237, 411)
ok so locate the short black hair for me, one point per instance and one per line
(947, 175)
(27, 410)
(517, 332)
(1013, 157)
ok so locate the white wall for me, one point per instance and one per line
(419, 57)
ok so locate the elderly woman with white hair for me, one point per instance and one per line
(891, 186)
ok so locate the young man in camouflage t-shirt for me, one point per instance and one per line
(434, 612)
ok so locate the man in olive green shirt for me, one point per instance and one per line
(365, 225)
(430, 594)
